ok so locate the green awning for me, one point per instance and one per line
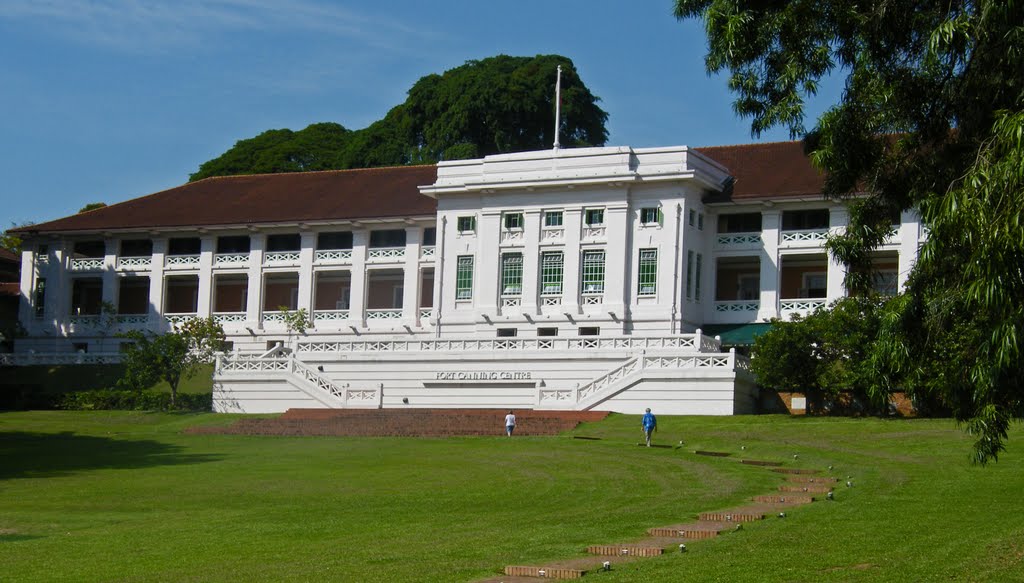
(736, 334)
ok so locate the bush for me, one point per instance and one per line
(128, 400)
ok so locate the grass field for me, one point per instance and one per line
(127, 497)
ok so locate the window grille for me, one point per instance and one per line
(551, 267)
(648, 280)
(464, 278)
(511, 274)
(650, 216)
(553, 219)
(594, 217)
(466, 224)
(514, 220)
(593, 272)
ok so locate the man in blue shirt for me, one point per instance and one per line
(649, 424)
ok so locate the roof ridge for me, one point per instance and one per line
(337, 170)
(749, 145)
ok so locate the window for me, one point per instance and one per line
(232, 244)
(696, 281)
(689, 275)
(647, 284)
(429, 237)
(594, 217)
(90, 249)
(464, 277)
(691, 217)
(513, 221)
(650, 216)
(740, 223)
(136, 248)
(814, 285)
(551, 267)
(553, 219)
(387, 238)
(589, 331)
(466, 224)
(507, 332)
(547, 331)
(885, 282)
(184, 246)
(40, 301)
(593, 272)
(511, 274)
(805, 220)
(700, 221)
(284, 242)
(332, 241)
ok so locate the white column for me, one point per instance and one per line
(59, 295)
(28, 280)
(357, 295)
(909, 241)
(771, 225)
(205, 293)
(572, 220)
(156, 283)
(411, 276)
(838, 219)
(306, 253)
(110, 272)
(531, 253)
(254, 289)
(487, 265)
(617, 275)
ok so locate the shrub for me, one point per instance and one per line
(128, 400)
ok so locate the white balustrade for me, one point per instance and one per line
(181, 261)
(618, 344)
(592, 300)
(552, 234)
(802, 305)
(395, 314)
(175, 319)
(511, 237)
(427, 252)
(737, 306)
(134, 262)
(330, 315)
(551, 301)
(334, 256)
(386, 253)
(229, 317)
(228, 259)
(132, 319)
(57, 358)
(805, 236)
(738, 239)
(281, 257)
(591, 233)
(86, 263)
(511, 302)
(426, 313)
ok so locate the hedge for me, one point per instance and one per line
(128, 400)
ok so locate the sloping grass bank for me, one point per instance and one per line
(116, 496)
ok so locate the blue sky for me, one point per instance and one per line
(107, 100)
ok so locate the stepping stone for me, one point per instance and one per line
(713, 453)
(760, 463)
(782, 499)
(544, 572)
(626, 549)
(731, 516)
(811, 480)
(795, 471)
(811, 489)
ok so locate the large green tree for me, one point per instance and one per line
(499, 104)
(930, 119)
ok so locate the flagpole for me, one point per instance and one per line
(558, 105)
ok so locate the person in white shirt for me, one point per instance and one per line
(510, 423)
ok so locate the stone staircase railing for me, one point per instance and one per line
(324, 390)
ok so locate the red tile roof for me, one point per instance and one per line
(771, 170)
(266, 198)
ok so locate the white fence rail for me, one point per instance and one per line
(695, 342)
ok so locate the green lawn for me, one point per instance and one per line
(111, 496)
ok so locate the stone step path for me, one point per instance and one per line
(798, 489)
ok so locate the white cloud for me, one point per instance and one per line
(141, 25)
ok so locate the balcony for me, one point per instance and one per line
(281, 258)
(181, 262)
(385, 254)
(804, 238)
(86, 264)
(230, 259)
(134, 263)
(333, 256)
(738, 240)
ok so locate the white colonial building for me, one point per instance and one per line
(588, 278)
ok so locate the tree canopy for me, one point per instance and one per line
(931, 118)
(495, 105)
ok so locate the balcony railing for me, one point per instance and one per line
(552, 234)
(595, 232)
(330, 315)
(512, 237)
(738, 239)
(334, 256)
(281, 257)
(698, 342)
(802, 305)
(134, 262)
(391, 314)
(427, 252)
(181, 261)
(229, 317)
(386, 253)
(225, 259)
(805, 236)
(86, 263)
(733, 306)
